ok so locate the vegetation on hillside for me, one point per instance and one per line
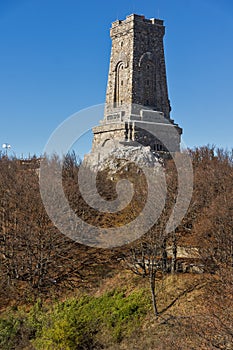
(37, 261)
(86, 322)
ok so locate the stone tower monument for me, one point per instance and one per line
(137, 73)
(137, 104)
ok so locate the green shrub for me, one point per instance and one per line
(35, 319)
(76, 324)
(9, 328)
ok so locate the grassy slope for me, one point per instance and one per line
(124, 322)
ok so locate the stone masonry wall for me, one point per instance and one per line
(137, 106)
(137, 73)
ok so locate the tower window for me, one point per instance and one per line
(158, 147)
(120, 80)
(148, 82)
(122, 44)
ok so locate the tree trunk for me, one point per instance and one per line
(152, 288)
(164, 256)
(174, 254)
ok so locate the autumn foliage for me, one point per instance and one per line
(37, 260)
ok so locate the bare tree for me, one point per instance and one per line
(148, 258)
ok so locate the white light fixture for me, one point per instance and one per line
(6, 146)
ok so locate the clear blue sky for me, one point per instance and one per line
(54, 59)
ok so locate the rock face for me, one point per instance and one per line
(116, 156)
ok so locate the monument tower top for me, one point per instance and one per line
(137, 109)
(137, 72)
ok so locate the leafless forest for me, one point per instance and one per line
(36, 260)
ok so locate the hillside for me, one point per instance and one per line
(58, 294)
(118, 315)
